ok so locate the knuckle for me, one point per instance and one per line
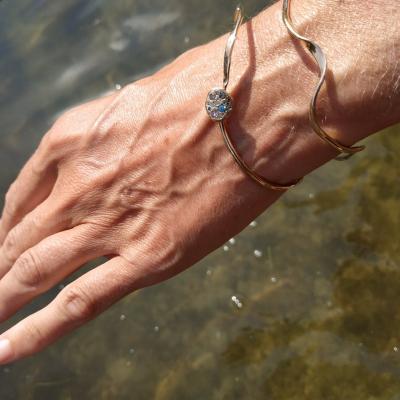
(77, 305)
(64, 119)
(38, 165)
(64, 128)
(27, 269)
(58, 140)
(33, 334)
(54, 141)
(10, 244)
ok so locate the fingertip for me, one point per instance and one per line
(6, 351)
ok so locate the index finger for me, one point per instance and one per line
(77, 303)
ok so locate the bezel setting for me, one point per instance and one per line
(218, 104)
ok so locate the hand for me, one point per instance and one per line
(142, 176)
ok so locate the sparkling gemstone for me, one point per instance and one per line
(222, 108)
(215, 114)
(218, 104)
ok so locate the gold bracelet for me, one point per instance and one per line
(320, 58)
(219, 104)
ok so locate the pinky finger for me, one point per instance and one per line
(32, 186)
(79, 302)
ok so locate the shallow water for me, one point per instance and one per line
(316, 279)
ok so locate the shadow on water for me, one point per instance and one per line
(316, 279)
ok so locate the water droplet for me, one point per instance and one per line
(395, 349)
(122, 317)
(186, 39)
(232, 241)
(131, 351)
(156, 328)
(274, 279)
(253, 224)
(118, 86)
(258, 253)
(237, 302)
(208, 272)
(226, 248)
(311, 196)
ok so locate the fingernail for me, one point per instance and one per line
(5, 351)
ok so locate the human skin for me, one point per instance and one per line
(142, 176)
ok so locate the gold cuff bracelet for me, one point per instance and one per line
(219, 104)
(320, 58)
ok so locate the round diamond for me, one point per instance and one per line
(215, 114)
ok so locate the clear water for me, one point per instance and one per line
(317, 278)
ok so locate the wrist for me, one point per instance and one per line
(272, 93)
(272, 80)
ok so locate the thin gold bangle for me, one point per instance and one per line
(219, 104)
(320, 58)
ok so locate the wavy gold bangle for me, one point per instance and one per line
(219, 104)
(320, 58)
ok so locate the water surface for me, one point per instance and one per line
(316, 280)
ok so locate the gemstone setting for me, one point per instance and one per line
(218, 104)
